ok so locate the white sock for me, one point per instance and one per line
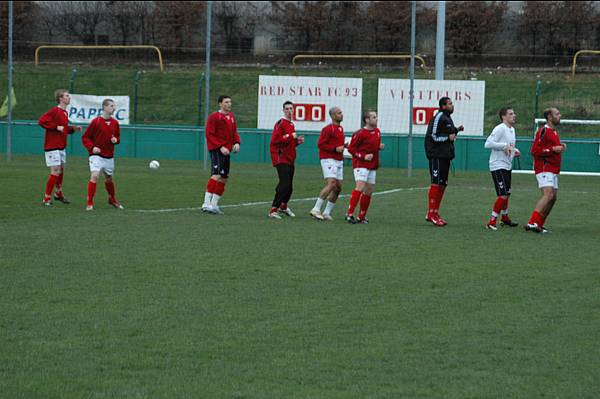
(329, 208)
(504, 211)
(318, 205)
(494, 214)
(215, 200)
(207, 198)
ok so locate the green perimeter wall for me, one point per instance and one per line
(186, 143)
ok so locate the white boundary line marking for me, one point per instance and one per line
(244, 204)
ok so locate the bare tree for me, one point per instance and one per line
(24, 20)
(302, 24)
(235, 23)
(174, 22)
(538, 25)
(472, 25)
(127, 18)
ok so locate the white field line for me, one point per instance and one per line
(244, 204)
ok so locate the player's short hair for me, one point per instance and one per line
(288, 102)
(106, 101)
(444, 101)
(367, 115)
(332, 110)
(58, 94)
(221, 98)
(548, 112)
(503, 111)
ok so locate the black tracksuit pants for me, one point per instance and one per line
(283, 191)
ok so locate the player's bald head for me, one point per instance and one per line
(334, 110)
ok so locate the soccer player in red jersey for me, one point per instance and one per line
(222, 139)
(99, 139)
(331, 154)
(547, 153)
(283, 154)
(56, 124)
(364, 147)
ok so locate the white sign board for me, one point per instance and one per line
(84, 108)
(393, 104)
(312, 98)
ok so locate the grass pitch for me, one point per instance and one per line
(177, 304)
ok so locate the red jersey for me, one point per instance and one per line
(364, 142)
(283, 144)
(544, 159)
(51, 120)
(332, 136)
(221, 131)
(99, 133)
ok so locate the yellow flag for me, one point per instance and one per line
(4, 107)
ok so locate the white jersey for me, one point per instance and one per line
(501, 138)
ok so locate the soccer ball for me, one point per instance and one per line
(154, 165)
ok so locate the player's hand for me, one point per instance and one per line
(96, 150)
(508, 149)
(381, 146)
(368, 157)
(294, 135)
(60, 128)
(452, 137)
(77, 128)
(113, 140)
(516, 152)
(236, 147)
(461, 128)
(564, 146)
(300, 139)
(339, 149)
(559, 148)
(224, 151)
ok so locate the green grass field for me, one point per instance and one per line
(172, 97)
(181, 304)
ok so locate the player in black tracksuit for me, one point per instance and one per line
(439, 148)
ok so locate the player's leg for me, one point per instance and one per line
(53, 161)
(283, 175)
(365, 198)
(502, 187)
(287, 194)
(58, 194)
(546, 184)
(332, 199)
(210, 184)
(505, 219)
(436, 190)
(327, 167)
(220, 180)
(360, 176)
(108, 170)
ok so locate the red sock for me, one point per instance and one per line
(440, 195)
(434, 198)
(219, 188)
(505, 209)
(365, 200)
(59, 181)
(283, 206)
(110, 188)
(91, 193)
(542, 220)
(498, 206)
(49, 186)
(273, 209)
(354, 198)
(536, 217)
(210, 186)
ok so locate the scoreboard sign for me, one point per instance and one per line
(312, 98)
(394, 102)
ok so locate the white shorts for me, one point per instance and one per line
(56, 157)
(547, 179)
(332, 169)
(99, 164)
(366, 175)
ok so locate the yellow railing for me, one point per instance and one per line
(160, 59)
(357, 56)
(577, 54)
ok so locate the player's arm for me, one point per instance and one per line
(87, 139)
(354, 147)
(494, 141)
(116, 138)
(236, 136)
(212, 133)
(47, 121)
(541, 147)
(325, 142)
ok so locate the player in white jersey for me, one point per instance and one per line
(502, 143)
